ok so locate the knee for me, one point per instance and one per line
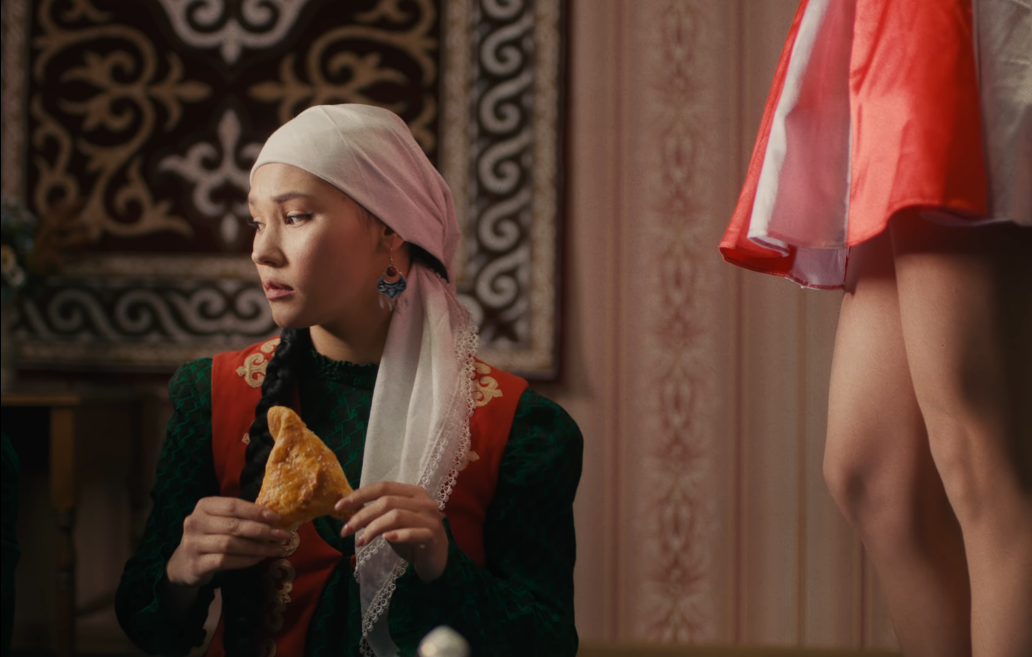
(844, 483)
(978, 434)
(878, 495)
(972, 474)
(851, 481)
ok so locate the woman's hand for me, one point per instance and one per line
(406, 517)
(223, 533)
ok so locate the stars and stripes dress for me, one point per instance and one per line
(880, 106)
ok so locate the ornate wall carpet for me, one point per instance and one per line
(148, 114)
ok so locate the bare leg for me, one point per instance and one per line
(880, 470)
(966, 310)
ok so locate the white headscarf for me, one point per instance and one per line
(422, 401)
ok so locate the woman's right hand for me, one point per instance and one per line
(224, 533)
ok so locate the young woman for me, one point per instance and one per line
(464, 477)
(895, 161)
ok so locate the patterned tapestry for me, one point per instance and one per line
(145, 116)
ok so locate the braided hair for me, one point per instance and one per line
(418, 254)
(242, 593)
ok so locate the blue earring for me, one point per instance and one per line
(391, 285)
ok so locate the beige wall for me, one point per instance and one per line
(700, 388)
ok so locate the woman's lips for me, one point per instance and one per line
(274, 290)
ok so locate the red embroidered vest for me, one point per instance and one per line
(295, 582)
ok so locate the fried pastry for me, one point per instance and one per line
(303, 478)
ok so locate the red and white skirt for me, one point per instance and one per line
(879, 106)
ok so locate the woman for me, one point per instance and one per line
(898, 136)
(466, 478)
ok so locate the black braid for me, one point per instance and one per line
(423, 257)
(242, 593)
(277, 390)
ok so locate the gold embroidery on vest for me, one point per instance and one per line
(253, 369)
(295, 540)
(279, 582)
(487, 386)
(468, 458)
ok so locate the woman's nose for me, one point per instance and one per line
(264, 249)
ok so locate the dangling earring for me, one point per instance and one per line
(391, 285)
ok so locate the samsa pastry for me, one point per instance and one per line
(303, 478)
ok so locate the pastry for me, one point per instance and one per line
(303, 478)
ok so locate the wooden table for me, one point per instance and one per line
(65, 410)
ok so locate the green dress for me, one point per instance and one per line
(519, 603)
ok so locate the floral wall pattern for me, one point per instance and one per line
(701, 389)
(148, 115)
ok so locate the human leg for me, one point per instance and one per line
(880, 471)
(966, 311)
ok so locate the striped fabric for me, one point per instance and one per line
(879, 106)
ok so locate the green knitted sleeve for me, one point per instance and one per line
(185, 474)
(521, 601)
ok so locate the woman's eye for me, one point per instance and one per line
(296, 217)
(254, 224)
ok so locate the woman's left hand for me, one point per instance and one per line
(406, 517)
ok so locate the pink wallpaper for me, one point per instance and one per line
(701, 389)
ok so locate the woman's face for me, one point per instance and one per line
(318, 253)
